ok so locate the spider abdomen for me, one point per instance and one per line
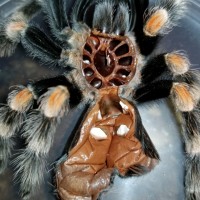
(108, 140)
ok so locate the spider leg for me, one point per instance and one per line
(36, 42)
(109, 17)
(191, 135)
(20, 100)
(173, 80)
(54, 97)
(166, 65)
(185, 96)
(160, 74)
(57, 17)
(159, 20)
(40, 46)
(79, 12)
(69, 34)
(13, 27)
(163, 76)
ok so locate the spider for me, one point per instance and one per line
(106, 49)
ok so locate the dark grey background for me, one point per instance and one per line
(163, 183)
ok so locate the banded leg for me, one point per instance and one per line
(186, 100)
(73, 35)
(20, 100)
(55, 97)
(126, 18)
(167, 75)
(16, 29)
(191, 135)
(39, 130)
(166, 65)
(184, 90)
(159, 21)
(103, 18)
(158, 76)
(13, 27)
(39, 126)
(57, 17)
(39, 45)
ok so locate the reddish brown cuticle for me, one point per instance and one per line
(108, 60)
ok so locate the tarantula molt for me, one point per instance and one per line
(105, 47)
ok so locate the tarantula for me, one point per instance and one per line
(105, 47)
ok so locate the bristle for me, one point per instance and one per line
(30, 171)
(15, 28)
(10, 121)
(77, 37)
(154, 68)
(6, 45)
(11, 118)
(40, 87)
(39, 45)
(137, 170)
(121, 20)
(71, 57)
(192, 177)
(191, 135)
(56, 15)
(156, 22)
(55, 102)
(153, 91)
(192, 78)
(39, 132)
(12, 28)
(193, 145)
(79, 10)
(164, 16)
(177, 62)
(20, 99)
(10, 33)
(103, 16)
(191, 127)
(6, 145)
(182, 97)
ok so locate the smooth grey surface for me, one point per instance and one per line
(163, 183)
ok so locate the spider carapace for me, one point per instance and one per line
(108, 60)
